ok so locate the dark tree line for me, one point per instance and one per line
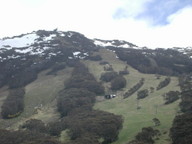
(181, 130)
(134, 88)
(164, 83)
(171, 96)
(14, 103)
(158, 61)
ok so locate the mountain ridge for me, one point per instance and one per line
(37, 42)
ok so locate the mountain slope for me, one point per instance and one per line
(41, 62)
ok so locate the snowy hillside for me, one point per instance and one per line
(51, 43)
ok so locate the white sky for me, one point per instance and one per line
(96, 19)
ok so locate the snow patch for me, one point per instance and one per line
(24, 51)
(76, 53)
(102, 44)
(49, 37)
(19, 42)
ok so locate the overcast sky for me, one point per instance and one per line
(151, 23)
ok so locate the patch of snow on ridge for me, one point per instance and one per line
(76, 53)
(19, 42)
(49, 37)
(24, 50)
(102, 44)
(114, 43)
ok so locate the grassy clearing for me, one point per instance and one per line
(151, 107)
(40, 99)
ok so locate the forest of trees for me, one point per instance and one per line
(158, 61)
(75, 104)
(181, 130)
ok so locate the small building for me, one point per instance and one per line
(110, 96)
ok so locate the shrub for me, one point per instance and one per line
(108, 76)
(118, 83)
(156, 121)
(142, 94)
(171, 97)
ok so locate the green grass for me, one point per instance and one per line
(135, 120)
